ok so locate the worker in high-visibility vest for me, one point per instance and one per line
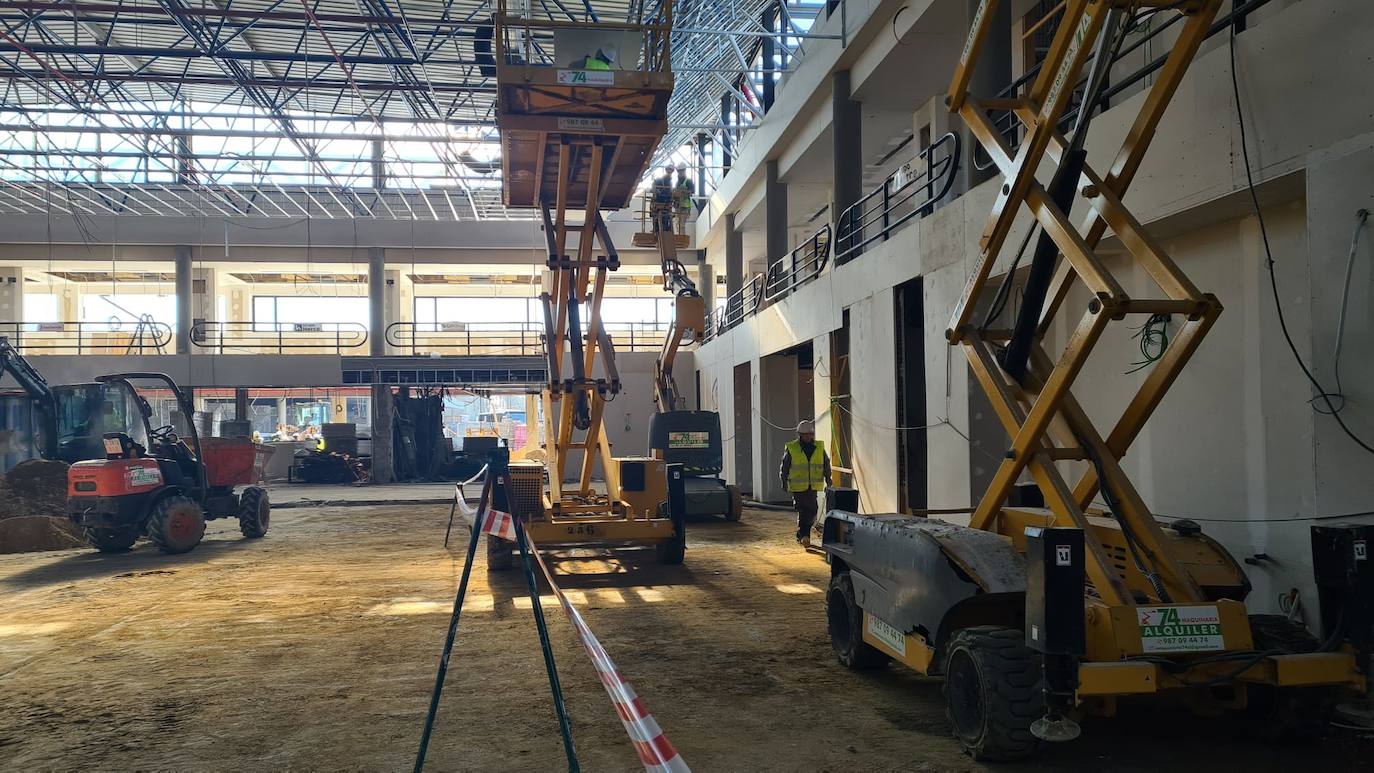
(805, 469)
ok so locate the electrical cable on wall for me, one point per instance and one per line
(1361, 218)
(1322, 392)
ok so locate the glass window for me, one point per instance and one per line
(124, 311)
(325, 311)
(434, 313)
(42, 307)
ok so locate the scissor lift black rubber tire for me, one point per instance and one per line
(993, 692)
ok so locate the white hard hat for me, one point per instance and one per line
(682, 166)
(806, 427)
(608, 53)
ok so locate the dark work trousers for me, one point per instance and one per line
(804, 502)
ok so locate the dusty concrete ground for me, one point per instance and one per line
(315, 648)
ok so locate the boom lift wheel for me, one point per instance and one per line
(993, 692)
(675, 550)
(255, 512)
(1294, 713)
(110, 540)
(845, 620)
(500, 557)
(176, 524)
(736, 504)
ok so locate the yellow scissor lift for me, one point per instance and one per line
(1059, 611)
(576, 137)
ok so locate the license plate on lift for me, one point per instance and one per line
(1180, 629)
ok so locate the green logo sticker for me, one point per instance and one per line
(689, 440)
(1180, 629)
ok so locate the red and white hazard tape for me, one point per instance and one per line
(655, 752)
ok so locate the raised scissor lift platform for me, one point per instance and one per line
(579, 139)
(544, 107)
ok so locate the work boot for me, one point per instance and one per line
(804, 540)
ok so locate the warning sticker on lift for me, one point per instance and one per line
(886, 634)
(1180, 629)
(689, 440)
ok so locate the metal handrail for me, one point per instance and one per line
(910, 192)
(801, 265)
(1009, 126)
(281, 337)
(636, 336)
(507, 338)
(739, 306)
(144, 336)
(466, 338)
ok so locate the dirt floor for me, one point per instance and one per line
(315, 648)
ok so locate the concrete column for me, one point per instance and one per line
(383, 467)
(185, 299)
(775, 215)
(376, 300)
(706, 281)
(241, 404)
(734, 257)
(847, 132)
(204, 294)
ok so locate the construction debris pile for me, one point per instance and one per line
(33, 515)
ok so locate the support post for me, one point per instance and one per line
(706, 282)
(775, 215)
(241, 404)
(846, 134)
(383, 465)
(734, 262)
(376, 301)
(185, 301)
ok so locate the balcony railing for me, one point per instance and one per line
(1009, 126)
(278, 337)
(463, 338)
(910, 192)
(507, 338)
(799, 266)
(113, 337)
(739, 306)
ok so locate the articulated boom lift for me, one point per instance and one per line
(1053, 612)
(678, 435)
(579, 139)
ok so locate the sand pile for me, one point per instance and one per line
(33, 508)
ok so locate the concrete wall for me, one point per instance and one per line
(1235, 442)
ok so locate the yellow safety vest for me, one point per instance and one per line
(806, 474)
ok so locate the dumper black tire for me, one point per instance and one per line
(176, 524)
(1291, 714)
(993, 692)
(845, 621)
(674, 551)
(255, 512)
(736, 504)
(500, 554)
(110, 540)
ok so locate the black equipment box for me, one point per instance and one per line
(846, 499)
(1054, 590)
